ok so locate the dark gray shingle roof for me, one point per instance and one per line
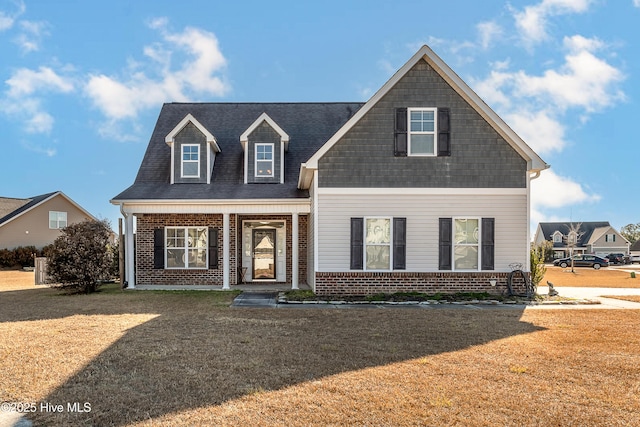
(309, 126)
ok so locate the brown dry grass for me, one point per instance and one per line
(145, 358)
(590, 278)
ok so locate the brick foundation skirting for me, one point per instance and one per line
(370, 283)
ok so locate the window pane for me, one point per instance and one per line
(466, 258)
(197, 258)
(466, 231)
(378, 230)
(175, 258)
(190, 169)
(264, 168)
(422, 144)
(378, 257)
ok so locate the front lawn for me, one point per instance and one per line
(145, 358)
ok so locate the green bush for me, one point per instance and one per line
(80, 258)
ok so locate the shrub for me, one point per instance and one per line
(80, 257)
(7, 258)
(538, 268)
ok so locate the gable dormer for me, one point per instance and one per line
(264, 144)
(193, 152)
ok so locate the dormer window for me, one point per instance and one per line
(190, 161)
(264, 160)
(193, 152)
(557, 237)
(264, 144)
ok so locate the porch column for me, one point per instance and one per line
(129, 252)
(294, 251)
(226, 251)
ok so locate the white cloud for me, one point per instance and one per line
(532, 22)
(8, 19)
(31, 36)
(553, 191)
(536, 105)
(199, 74)
(21, 99)
(539, 130)
(25, 82)
(583, 81)
(488, 31)
(636, 3)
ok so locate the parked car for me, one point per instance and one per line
(634, 258)
(617, 258)
(583, 261)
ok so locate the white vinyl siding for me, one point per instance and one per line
(422, 213)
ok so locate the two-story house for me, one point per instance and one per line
(589, 237)
(421, 188)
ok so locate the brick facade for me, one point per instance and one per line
(370, 283)
(147, 223)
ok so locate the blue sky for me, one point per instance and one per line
(82, 82)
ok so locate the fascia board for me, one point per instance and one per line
(190, 119)
(284, 137)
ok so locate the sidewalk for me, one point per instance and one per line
(596, 294)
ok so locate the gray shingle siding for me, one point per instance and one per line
(263, 134)
(190, 135)
(480, 158)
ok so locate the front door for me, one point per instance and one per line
(264, 254)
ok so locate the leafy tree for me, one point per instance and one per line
(631, 232)
(79, 257)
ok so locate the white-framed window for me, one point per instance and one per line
(57, 219)
(610, 238)
(264, 160)
(186, 247)
(190, 161)
(557, 237)
(572, 238)
(422, 127)
(377, 244)
(466, 243)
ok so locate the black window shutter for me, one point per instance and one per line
(213, 248)
(399, 243)
(488, 243)
(400, 147)
(444, 132)
(357, 242)
(158, 248)
(445, 242)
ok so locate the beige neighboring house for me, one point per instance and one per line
(36, 221)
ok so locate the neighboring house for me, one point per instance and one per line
(634, 250)
(598, 238)
(421, 188)
(37, 221)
